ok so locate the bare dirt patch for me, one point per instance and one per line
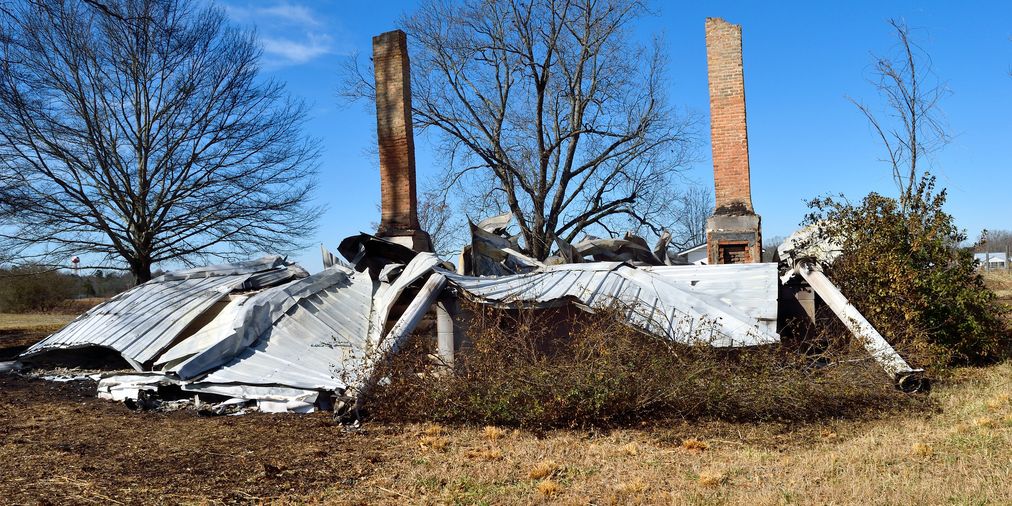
(62, 445)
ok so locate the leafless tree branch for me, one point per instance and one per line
(547, 109)
(137, 131)
(911, 125)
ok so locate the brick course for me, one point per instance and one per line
(729, 135)
(733, 233)
(395, 136)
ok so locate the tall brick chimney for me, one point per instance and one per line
(733, 232)
(399, 216)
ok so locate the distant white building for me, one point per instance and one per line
(992, 260)
(695, 255)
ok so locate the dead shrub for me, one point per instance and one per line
(493, 433)
(694, 445)
(711, 478)
(544, 469)
(547, 368)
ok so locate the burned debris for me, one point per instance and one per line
(265, 333)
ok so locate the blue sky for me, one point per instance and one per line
(802, 60)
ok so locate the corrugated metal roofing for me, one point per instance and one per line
(752, 288)
(311, 343)
(323, 330)
(326, 331)
(209, 335)
(141, 322)
(658, 303)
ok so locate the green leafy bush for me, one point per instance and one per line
(904, 269)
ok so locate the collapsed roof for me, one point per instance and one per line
(266, 332)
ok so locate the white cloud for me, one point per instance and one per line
(296, 52)
(288, 31)
(294, 13)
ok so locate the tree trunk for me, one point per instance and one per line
(141, 269)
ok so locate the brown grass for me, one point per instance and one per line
(543, 469)
(693, 445)
(1000, 282)
(493, 433)
(485, 454)
(437, 443)
(549, 487)
(34, 322)
(711, 478)
(71, 449)
(901, 459)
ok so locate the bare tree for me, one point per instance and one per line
(911, 126)
(550, 110)
(437, 217)
(994, 241)
(138, 131)
(770, 246)
(695, 206)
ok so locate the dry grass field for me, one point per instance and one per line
(19, 331)
(61, 445)
(1001, 283)
(33, 322)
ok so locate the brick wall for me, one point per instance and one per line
(394, 134)
(729, 136)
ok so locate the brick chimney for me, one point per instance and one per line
(399, 216)
(733, 232)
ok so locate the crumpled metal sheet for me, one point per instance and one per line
(207, 336)
(255, 317)
(129, 387)
(812, 243)
(268, 399)
(316, 333)
(121, 387)
(245, 267)
(323, 333)
(751, 288)
(141, 322)
(654, 302)
(284, 345)
(300, 337)
(492, 254)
